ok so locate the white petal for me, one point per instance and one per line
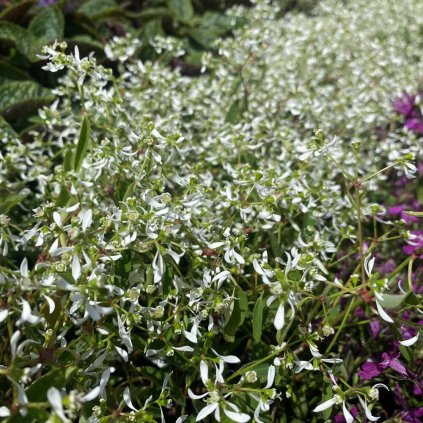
(194, 396)
(57, 219)
(51, 304)
(280, 317)
(122, 353)
(367, 411)
(208, 409)
(76, 267)
(4, 412)
(383, 314)
(271, 373)
(91, 395)
(3, 314)
(348, 416)
(204, 371)
(406, 343)
(237, 417)
(191, 337)
(257, 267)
(324, 405)
(184, 349)
(127, 399)
(55, 399)
(87, 220)
(24, 268)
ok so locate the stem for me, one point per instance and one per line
(360, 233)
(347, 312)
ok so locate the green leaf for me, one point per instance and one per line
(237, 317)
(10, 73)
(6, 129)
(233, 112)
(182, 10)
(83, 142)
(258, 319)
(37, 391)
(16, 11)
(391, 301)
(17, 36)
(19, 98)
(46, 27)
(96, 9)
(412, 299)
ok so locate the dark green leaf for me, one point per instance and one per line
(37, 391)
(95, 9)
(15, 12)
(83, 142)
(19, 98)
(17, 36)
(46, 27)
(258, 319)
(237, 317)
(182, 10)
(233, 112)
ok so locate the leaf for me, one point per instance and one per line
(18, 98)
(233, 112)
(37, 391)
(237, 317)
(10, 73)
(212, 26)
(46, 27)
(258, 319)
(6, 129)
(391, 301)
(96, 9)
(182, 10)
(16, 11)
(16, 35)
(83, 142)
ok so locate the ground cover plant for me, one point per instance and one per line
(245, 245)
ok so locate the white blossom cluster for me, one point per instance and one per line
(190, 202)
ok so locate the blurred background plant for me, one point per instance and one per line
(27, 25)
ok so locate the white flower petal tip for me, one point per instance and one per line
(207, 410)
(237, 417)
(410, 341)
(325, 405)
(280, 317)
(383, 314)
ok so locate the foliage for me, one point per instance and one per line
(182, 249)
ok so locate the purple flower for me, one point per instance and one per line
(391, 360)
(415, 244)
(412, 416)
(405, 104)
(369, 370)
(415, 125)
(399, 210)
(387, 267)
(375, 328)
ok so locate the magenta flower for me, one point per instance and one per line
(375, 328)
(370, 369)
(404, 105)
(398, 210)
(415, 125)
(415, 244)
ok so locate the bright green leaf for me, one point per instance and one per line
(83, 142)
(258, 319)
